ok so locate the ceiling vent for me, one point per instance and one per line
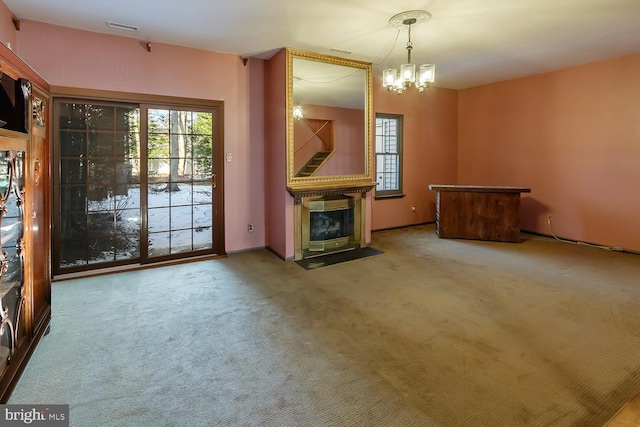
(340, 51)
(119, 26)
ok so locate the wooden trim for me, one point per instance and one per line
(139, 98)
(14, 143)
(133, 267)
(36, 286)
(145, 101)
(300, 234)
(12, 63)
(479, 188)
(334, 189)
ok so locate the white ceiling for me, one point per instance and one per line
(471, 42)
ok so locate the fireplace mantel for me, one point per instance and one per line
(330, 189)
(335, 188)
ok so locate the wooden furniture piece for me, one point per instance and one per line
(25, 216)
(478, 212)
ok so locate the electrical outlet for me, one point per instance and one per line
(250, 227)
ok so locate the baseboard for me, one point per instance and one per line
(134, 267)
(403, 226)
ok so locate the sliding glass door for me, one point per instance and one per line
(98, 186)
(180, 182)
(136, 184)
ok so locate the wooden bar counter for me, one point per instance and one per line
(478, 212)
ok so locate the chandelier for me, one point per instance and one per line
(399, 81)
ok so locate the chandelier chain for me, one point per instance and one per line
(409, 46)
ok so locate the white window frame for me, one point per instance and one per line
(388, 152)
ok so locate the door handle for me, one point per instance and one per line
(215, 181)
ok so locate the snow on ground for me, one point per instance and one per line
(174, 225)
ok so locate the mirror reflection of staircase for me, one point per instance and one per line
(314, 163)
(322, 138)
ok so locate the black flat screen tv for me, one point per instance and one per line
(14, 108)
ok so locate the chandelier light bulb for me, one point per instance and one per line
(408, 72)
(389, 77)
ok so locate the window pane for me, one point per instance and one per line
(388, 154)
(158, 195)
(158, 146)
(72, 171)
(73, 226)
(100, 170)
(202, 217)
(101, 144)
(127, 118)
(72, 116)
(100, 117)
(99, 177)
(387, 172)
(158, 121)
(202, 238)
(101, 249)
(73, 252)
(181, 241)
(184, 170)
(159, 244)
(181, 218)
(127, 144)
(73, 144)
(158, 219)
(202, 192)
(73, 199)
(202, 168)
(185, 177)
(128, 233)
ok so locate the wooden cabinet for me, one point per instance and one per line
(25, 216)
(478, 212)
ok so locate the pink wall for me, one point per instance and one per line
(67, 57)
(7, 30)
(348, 132)
(571, 135)
(429, 151)
(279, 203)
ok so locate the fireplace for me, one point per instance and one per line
(338, 213)
(331, 223)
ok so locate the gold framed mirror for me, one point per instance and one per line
(329, 137)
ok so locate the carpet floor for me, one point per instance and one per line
(433, 332)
